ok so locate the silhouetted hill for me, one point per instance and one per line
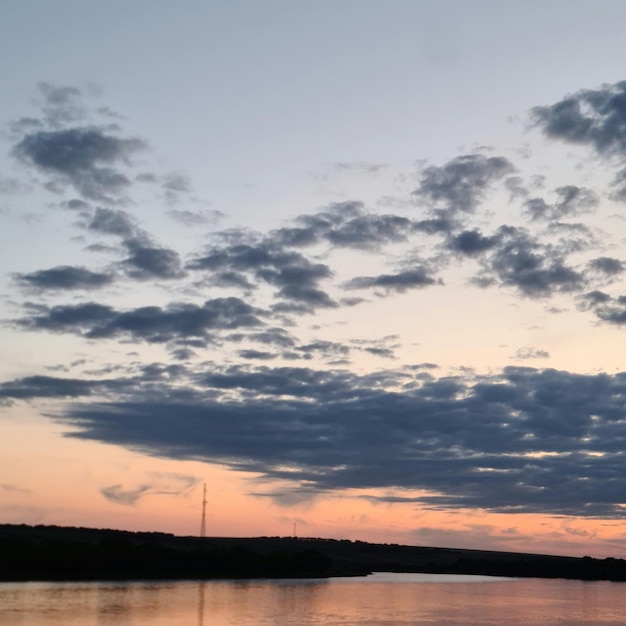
(65, 553)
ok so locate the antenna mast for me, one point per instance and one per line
(203, 522)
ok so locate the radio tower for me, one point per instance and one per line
(203, 522)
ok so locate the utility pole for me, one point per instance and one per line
(203, 522)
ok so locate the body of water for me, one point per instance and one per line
(377, 600)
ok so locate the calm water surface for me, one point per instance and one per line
(378, 600)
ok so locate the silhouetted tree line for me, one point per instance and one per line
(112, 557)
(585, 568)
(61, 553)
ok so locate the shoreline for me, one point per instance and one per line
(58, 553)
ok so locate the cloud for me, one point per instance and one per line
(60, 105)
(127, 497)
(593, 117)
(570, 200)
(295, 277)
(175, 187)
(472, 243)
(417, 277)
(258, 355)
(367, 231)
(607, 308)
(531, 353)
(522, 440)
(82, 157)
(325, 349)
(378, 346)
(65, 277)
(345, 225)
(113, 222)
(160, 484)
(534, 269)
(64, 144)
(606, 265)
(32, 387)
(272, 336)
(194, 218)
(360, 167)
(461, 184)
(147, 261)
(152, 324)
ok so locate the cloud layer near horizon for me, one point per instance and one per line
(519, 440)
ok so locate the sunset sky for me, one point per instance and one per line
(358, 266)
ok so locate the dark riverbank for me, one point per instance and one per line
(60, 553)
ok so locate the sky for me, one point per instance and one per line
(356, 266)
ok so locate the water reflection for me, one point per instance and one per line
(201, 589)
(381, 600)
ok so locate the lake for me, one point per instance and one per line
(382, 599)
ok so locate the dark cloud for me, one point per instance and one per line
(619, 186)
(182, 354)
(258, 355)
(371, 230)
(570, 200)
(147, 261)
(82, 157)
(534, 269)
(61, 144)
(277, 337)
(592, 299)
(593, 117)
(295, 277)
(435, 226)
(303, 299)
(607, 309)
(65, 277)
(381, 351)
(524, 440)
(472, 243)
(325, 349)
(153, 324)
(31, 387)
(345, 225)
(461, 184)
(606, 265)
(151, 378)
(417, 277)
(230, 279)
(113, 222)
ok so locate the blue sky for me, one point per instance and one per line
(356, 264)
